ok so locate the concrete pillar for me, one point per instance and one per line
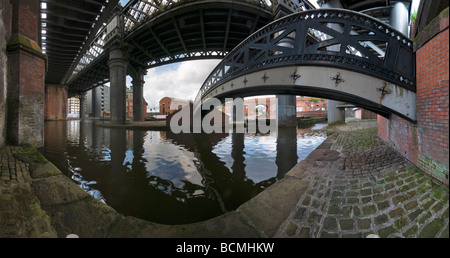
(26, 84)
(83, 106)
(400, 17)
(96, 102)
(287, 113)
(138, 98)
(335, 115)
(118, 72)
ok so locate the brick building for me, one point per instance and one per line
(311, 104)
(168, 106)
(303, 105)
(129, 104)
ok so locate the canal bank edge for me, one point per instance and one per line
(39, 201)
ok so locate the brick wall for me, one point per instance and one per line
(365, 114)
(26, 15)
(401, 134)
(26, 86)
(323, 114)
(55, 102)
(426, 143)
(6, 11)
(25, 73)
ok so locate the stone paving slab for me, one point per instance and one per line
(229, 225)
(269, 209)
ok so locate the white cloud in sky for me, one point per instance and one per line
(181, 80)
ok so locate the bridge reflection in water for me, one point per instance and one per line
(174, 178)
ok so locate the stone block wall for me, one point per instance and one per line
(426, 143)
(5, 30)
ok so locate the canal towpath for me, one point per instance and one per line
(353, 185)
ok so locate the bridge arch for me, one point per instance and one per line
(330, 53)
(180, 31)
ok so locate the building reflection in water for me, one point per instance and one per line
(173, 178)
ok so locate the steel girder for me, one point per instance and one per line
(156, 33)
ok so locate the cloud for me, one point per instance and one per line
(182, 80)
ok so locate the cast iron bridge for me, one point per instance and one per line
(362, 61)
(154, 34)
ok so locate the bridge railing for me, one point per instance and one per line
(323, 37)
(95, 49)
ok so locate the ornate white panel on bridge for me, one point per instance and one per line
(324, 82)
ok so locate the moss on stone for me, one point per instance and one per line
(431, 229)
(30, 155)
(20, 41)
(385, 232)
(400, 223)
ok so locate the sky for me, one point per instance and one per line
(181, 80)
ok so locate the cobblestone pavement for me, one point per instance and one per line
(367, 188)
(12, 169)
(20, 211)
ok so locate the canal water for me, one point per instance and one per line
(175, 178)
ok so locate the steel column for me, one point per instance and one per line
(138, 98)
(118, 71)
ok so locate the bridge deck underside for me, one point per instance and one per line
(65, 26)
(189, 32)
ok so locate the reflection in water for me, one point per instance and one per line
(174, 178)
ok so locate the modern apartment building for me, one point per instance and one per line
(73, 107)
